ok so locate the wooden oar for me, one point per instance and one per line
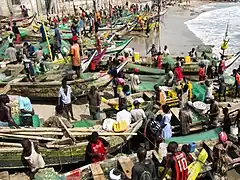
(4, 135)
(66, 129)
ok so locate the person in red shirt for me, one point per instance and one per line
(55, 20)
(98, 43)
(201, 73)
(96, 149)
(176, 161)
(64, 20)
(178, 72)
(221, 66)
(159, 60)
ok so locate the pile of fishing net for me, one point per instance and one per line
(47, 173)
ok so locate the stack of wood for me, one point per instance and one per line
(50, 137)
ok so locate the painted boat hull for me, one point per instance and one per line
(49, 90)
(19, 19)
(118, 49)
(67, 155)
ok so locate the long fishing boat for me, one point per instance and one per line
(58, 152)
(188, 68)
(22, 19)
(48, 86)
(153, 23)
(119, 46)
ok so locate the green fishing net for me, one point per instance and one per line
(198, 91)
(144, 69)
(63, 27)
(47, 173)
(84, 123)
(24, 32)
(3, 49)
(35, 118)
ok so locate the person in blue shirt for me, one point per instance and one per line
(58, 37)
(42, 33)
(166, 122)
(81, 24)
(26, 111)
(31, 49)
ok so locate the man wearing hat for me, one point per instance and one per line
(137, 113)
(134, 80)
(75, 54)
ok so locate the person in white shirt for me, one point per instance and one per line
(32, 155)
(166, 51)
(134, 81)
(137, 113)
(64, 98)
(129, 51)
(124, 115)
(10, 38)
(209, 91)
(11, 53)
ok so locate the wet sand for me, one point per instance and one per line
(174, 32)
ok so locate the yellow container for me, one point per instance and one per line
(172, 94)
(136, 56)
(187, 59)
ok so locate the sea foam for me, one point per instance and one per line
(210, 26)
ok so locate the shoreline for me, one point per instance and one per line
(174, 32)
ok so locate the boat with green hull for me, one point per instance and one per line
(49, 85)
(11, 158)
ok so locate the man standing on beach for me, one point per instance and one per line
(75, 54)
(64, 99)
(94, 100)
(134, 80)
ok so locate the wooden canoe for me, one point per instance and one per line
(118, 47)
(49, 90)
(11, 158)
(19, 19)
(12, 76)
(115, 47)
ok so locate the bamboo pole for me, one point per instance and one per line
(66, 129)
(46, 129)
(4, 135)
(10, 144)
(38, 133)
(73, 134)
(13, 150)
(55, 146)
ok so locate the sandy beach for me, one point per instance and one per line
(174, 32)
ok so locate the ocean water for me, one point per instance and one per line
(210, 26)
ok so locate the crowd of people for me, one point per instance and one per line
(156, 127)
